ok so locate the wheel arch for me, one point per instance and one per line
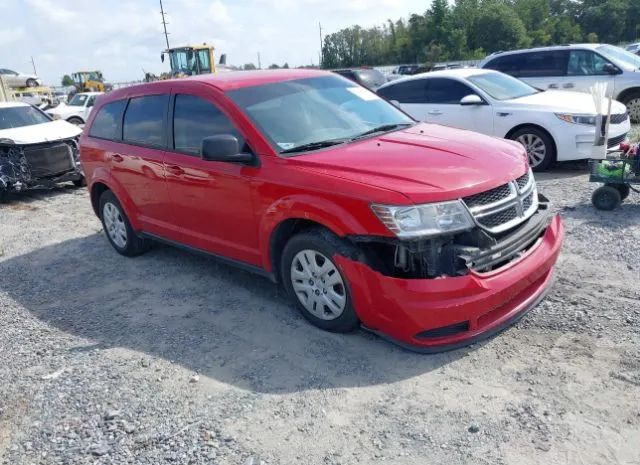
(101, 181)
(539, 128)
(627, 92)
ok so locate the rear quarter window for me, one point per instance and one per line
(106, 124)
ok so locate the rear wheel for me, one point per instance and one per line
(118, 229)
(606, 198)
(32, 83)
(314, 281)
(539, 146)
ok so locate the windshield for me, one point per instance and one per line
(184, 61)
(296, 113)
(620, 56)
(17, 117)
(78, 100)
(502, 86)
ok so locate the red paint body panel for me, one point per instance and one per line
(233, 210)
(401, 308)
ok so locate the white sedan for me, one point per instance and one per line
(552, 125)
(77, 110)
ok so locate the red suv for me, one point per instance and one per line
(430, 236)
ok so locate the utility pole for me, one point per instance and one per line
(33, 63)
(164, 25)
(320, 27)
(259, 64)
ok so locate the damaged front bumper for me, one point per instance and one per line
(46, 164)
(484, 290)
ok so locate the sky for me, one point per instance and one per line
(122, 38)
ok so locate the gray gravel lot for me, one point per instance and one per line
(174, 358)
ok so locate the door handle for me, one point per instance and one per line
(175, 170)
(117, 158)
(569, 85)
(435, 112)
(553, 86)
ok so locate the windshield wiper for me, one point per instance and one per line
(382, 128)
(314, 145)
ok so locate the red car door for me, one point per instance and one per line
(211, 200)
(138, 163)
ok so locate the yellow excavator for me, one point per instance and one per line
(191, 60)
(89, 81)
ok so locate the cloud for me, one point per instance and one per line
(122, 37)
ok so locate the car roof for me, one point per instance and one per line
(544, 49)
(89, 93)
(13, 104)
(459, 73)
(226, 81)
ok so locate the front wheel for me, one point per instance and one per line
(606, 198)
(315, 283)
(624, 190)
(632, 102)
(82, 182)
(539, 146)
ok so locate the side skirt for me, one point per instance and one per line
(227, 261)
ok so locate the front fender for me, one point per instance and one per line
(305, 207)
(104, 176)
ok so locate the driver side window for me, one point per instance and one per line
(194, 119)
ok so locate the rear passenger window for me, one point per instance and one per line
(447, 91)
(194, 119)
(586, 63)
(106, 124)
(544, 64)
(412, 91)
(144, 120)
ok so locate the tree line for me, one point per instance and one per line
(471, 29)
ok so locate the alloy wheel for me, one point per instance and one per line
(318, 285)
(535, 147)
(114, 224)
(633, 107)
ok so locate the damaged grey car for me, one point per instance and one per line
(36, 150)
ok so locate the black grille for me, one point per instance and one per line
(48, 160)
(522, 181)
(527, 201)
(499, 218)
(617, 119)
(488, 197)
(616, 140)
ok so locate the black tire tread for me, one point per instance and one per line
(136, 245)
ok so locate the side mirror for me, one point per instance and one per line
(472, 99)
(223, 147)
(395, 103)
(610, 69)
(162, 57)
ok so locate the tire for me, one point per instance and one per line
(632, 101)
(118, 228)
(32, 83)
(75, 120)
(318, 288)
(624, 190)
(606, 198)
(541, 157)
(82, 182)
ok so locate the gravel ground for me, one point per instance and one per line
(174, 358)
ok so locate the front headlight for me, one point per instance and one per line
(430, 219)
(577, 119)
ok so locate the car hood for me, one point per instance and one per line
(64, 110)
(426, 163)
(559, 101)
(38, 133)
